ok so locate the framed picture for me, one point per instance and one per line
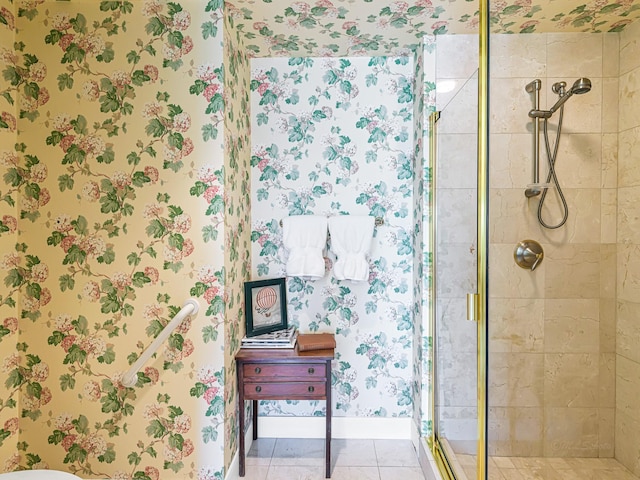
(266, 305)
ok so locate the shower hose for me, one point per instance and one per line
(551, 157)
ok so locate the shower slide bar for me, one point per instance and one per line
(190, 307)
(534, 189)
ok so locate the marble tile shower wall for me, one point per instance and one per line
(627, 414)
(552, 331)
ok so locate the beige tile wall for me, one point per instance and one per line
(552, 346)
(627, 412)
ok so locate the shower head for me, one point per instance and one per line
(580, 86)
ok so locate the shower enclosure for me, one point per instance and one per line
(562, 340)
(554, 396)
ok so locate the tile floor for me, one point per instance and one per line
(303, 459)
(537, 468)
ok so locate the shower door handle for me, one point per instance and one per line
(472, 307)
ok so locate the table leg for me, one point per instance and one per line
(255, 419)
(327, 447)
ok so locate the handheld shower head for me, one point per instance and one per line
(580, 86)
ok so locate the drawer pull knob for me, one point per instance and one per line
(311, 389)
(311, 370)
(258, 370)
(258, 389)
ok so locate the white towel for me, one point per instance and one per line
(351, 237)
(305, 236)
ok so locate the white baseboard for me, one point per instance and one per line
(341, 427)
(233, 472)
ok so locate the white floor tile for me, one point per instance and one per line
(288, 472)
(353, 453)
(260, 452)
(255, 472)
(396, 453)
(299, 451)
(351, 459)
(401, 473)
(355, 473)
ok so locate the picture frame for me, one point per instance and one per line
(266, 306)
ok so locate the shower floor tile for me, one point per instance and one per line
(540, 468)
(544, 468)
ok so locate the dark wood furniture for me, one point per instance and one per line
(283, 374)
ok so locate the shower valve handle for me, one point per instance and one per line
(528, 254)
(538, 257)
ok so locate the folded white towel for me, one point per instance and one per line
(305, 236)
(351, 237)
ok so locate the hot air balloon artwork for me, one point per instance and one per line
(266, 306)
(266, 300)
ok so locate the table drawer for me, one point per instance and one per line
(285, 390)
(254, 371)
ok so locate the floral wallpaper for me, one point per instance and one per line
(237, 222)
(418, 234)
(424, 293)
(129, 173)
(333, 136)
(122, 195)
(9, 195)
(372, 27)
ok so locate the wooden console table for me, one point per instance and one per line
(283, 374)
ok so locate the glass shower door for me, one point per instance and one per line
(459, 246)
(454, 205)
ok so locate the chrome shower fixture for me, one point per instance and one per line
(528, 254)
(535, 188)
(580, 86)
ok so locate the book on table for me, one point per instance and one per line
(316, 341)
(279, 339)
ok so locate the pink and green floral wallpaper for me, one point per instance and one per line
(237, 219)
(123, 194)
(333, 137)
(9, 313)
(396, 27)
(126, 163)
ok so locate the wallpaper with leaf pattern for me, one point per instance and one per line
(237, 223)
(9, 415)
(334, 137)
(395, 27)
(125, 149)
(119, 202)
(426, 105)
